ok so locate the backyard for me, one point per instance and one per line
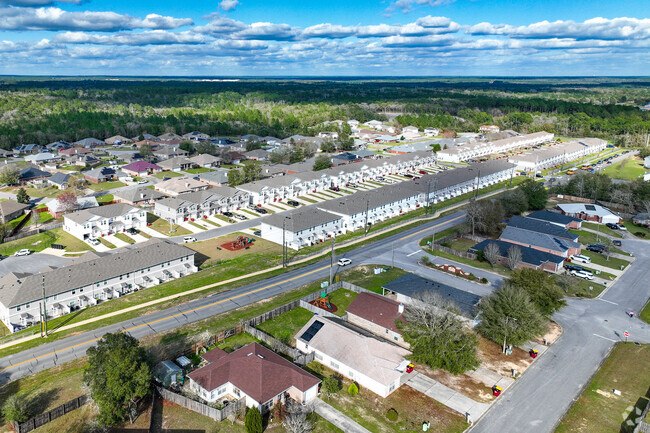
(598, 409)
(285, 326)
(40, 241)
(365, 277)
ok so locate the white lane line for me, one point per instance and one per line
(605, 338)
(605, 300)
(413, 253)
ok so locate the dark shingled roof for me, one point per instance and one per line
(411, 284)
(527, 237)
(528, 255)
(552, 217)
(301, 219)
(259, 372)
(542, 227)
(376, 309)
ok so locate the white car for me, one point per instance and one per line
(344, 262)
(583, 274)
(622, 227)
(24, 252)
(142, 181)
(580, 258)
(188, 239)
(94, 242)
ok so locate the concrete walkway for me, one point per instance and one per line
(152, 232)
(447, 396)
(337, 418)
(491, 378)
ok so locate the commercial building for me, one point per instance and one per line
(589, 212)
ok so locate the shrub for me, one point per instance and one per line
(640, 234)
(425, 260)
(253, 422)
(484, 280)
(353, 389)
(471, 277)
(15, 409)
(391, 414)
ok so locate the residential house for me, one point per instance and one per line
(196, 136)
(90, 142)
(410, 132)
(206, 161)
(379, 315)
(140, 196)
(540, 241)
(169, 136)
(302, 227)
(642, 219)
(330, 135)
(431, 132)
(90, 279)
(589, 212)
(10, 210)
(215, 178)
(59, 180)
(57, 211)
(154, 144)
(353, 123)
(58, 146)
(105, 174)
(141, 168)
(180, 185)
(530, 257)
(542, 227)
(254, 373)
(5, 153)
(75, 151)
(42, 158)
(257, 155)
(177, 164)
(364, 154)
(103, 220)
(32, 175)
(168, 152)
(485, 129)
(82, 160)
(26, 149)
(200, 204)
(374, 124)
(472, 149)
(368, 361)
(118, 140)
(344, 158)
(150, 137)
(556, 218)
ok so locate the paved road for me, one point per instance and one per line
(45, 356)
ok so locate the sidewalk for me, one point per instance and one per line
(337, 418)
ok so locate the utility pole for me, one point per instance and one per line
(478, 184)
(44, 321)
(332, 263)
(392, 257)
(367, 209)
(433, 235)
(284, 244)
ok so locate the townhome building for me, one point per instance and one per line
(471, 150)
(558, 154)
(200, 204)
(301, 227)
(103, 220)
(89, 280)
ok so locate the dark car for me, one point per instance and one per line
(293, 203)
(260, 210)
(422, 172)
(335, 188)
(228, 214)
(612, 226)
(573, 268)
(408, 175)
(617, 243)
(539, 175)
(595, 248)
(132, 231)
(257, 232)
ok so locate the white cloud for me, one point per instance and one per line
(33, 3)
(228, 5)
(408, 5)
(153, 37)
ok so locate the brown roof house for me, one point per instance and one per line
(255, 373)
(378, 314)
(10, 210)
(180, 185)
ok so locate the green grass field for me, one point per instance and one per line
(628, 169)
(39, 242)
(286, 325)
(106, 243)
(104, 186)
(198, 170)
(164, 174)
(125, 238)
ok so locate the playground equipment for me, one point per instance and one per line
(239, 243)
(323, 301)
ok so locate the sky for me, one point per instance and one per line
(223, 38)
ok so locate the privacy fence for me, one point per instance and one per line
(51, 415)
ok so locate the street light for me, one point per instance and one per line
(433, 181)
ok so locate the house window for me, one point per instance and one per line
(334, 365)
(236, 392)
(318, 356)
(73, 292)
(18, 308)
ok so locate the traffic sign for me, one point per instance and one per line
(627, 334)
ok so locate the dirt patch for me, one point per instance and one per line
(552, 334)
(491, 357)
(466, 385)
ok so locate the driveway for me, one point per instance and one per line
(344, 422)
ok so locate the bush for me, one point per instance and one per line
(15, 409)
(484, 280)
(640, 234)
(353, 389)
(425, 260)
(471, 277)
(253, 421)
(391, 414)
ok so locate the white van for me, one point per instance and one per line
(580, 258)
(188, 239)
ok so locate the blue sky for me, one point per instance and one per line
(308, 37)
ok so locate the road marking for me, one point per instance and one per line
(413, 253)
(241, 295)
(605, 300)
(605, 338)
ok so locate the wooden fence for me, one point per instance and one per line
(51, 415)
(24, 234)
(203, 409)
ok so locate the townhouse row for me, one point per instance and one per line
(464, 152)
(562, 153)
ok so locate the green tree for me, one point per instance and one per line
(21, 196)
(253, 421)
(15, 409)
(252, 171)
(536, 194)
(252, 143)
(235, 177)
(146, 152)
(509, 315)
(541, 287)
(327, 146)
(4, 231)
(118, 375)
(353, 389)
(187, 146)
(331, 385)
(436, 147)
(206, 146)
(322, 162)
(281, 155)
(514, 202)
(10, 175)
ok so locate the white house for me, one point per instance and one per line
(103, 220)
(90, 279)
(302, 227)
(484, 129)
(410, 132)
(589, 212)
(431, 132)
(373, 364)
(254, 373)
(200, 204)
(470, 150)
(558, 154)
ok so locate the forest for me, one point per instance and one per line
(44, 110)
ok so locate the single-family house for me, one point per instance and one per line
(140, 196)
(589, 212)
(169, 151)
(90, 142)
(178, 163)
(431, 132)
(57, 211)
(75, 151)
(118, 140)
(25, 149)
(530, 257)
(58, 146)
(103, 220)
(485, 129)
(215, 178)
(196, 136)
(205, 160)
(379, 315)
(556, 218)
(32, 175)
(59, 180)
(410, 132)
(42, 158)
(255, 373)
(542, 227)
(180, 185)
(257, 155)
(105, 174)
(540, 241)
(367, 360)
(167, 136)
(10, 210)
(642, 219)
(141, 168)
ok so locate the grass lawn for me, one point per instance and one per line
(105, 198)
(308, 200)
(603, 229)
(250, 212)
(222, 218)
(474, 263)
(645, 313)
(143, 234)
(638, 231)
(125, 238)
(599, 259)
(235, 342)
(106, 243)
(105, 186)
(286, 325)
(40, 241)
(628, 169)
(209, 221)
(461, 244)
(50, 191)
(164, 174)
(342, 298)
(587, 238)
(198, 170)
(197, 225)
(162, 226)
(597, 410)
(365, 277)
(581, 288)
(211, 253)
(44, 217)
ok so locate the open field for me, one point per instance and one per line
(364, 276)
(598, 410)
(629, 169)
(211, 252)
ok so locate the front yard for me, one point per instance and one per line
(105, 186)
(163, 227)
(169, 174)
(365, 277)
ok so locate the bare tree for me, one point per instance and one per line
(67, 202)
(646, 205)
(77, 184)
(296, 419)
(35, 218)
(492, 253)
(474, 214)
(513, 257)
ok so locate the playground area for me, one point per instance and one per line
(241, 242)
(221, 249)
(323, 301)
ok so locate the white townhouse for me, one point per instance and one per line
(431, 132)
(410, 132)
(273, 189)
(90, 279)
(200, 204)
(104, 220)
(463, 152)
(302, 227)
(558, 154)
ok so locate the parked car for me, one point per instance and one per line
(335, 188)
(94, 242)
(622, 227)
(293, 203)
(23, 252)
(142, 181)
(612, 226)
(573, 267)
(381, 178)
(422, 172)
(617, 243)
(583, 274)
(580, 258)
(344, 262)
(408, 175)
(188, 239)
(597, 248)
(257, 232)
(228, 214)
(132, 231)
(261, 210)
(539, 175)
(240, 217)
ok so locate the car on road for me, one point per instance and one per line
(580, 258)
(570, 172)
(617, 243)
(612, 226)
(344, 262)
(143, 181)
(240, 217)
(188, 239)
(94, 242)
(539, 175)
(257, 232)
(293, 203)
(573, 268)
(23, 252)
(228, 214)
(583, 274)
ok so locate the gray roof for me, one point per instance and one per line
(204, 158)
(301, 219)
(364, 200)
(411, 285)
(257, 153)
(10, 206)
(108, 211)
(530, 238)
(17, 289)
(177, 161)
(219, 176)
(528, 255)
(542, 227)
(136, 194)
(59, 178)
(552, 217)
